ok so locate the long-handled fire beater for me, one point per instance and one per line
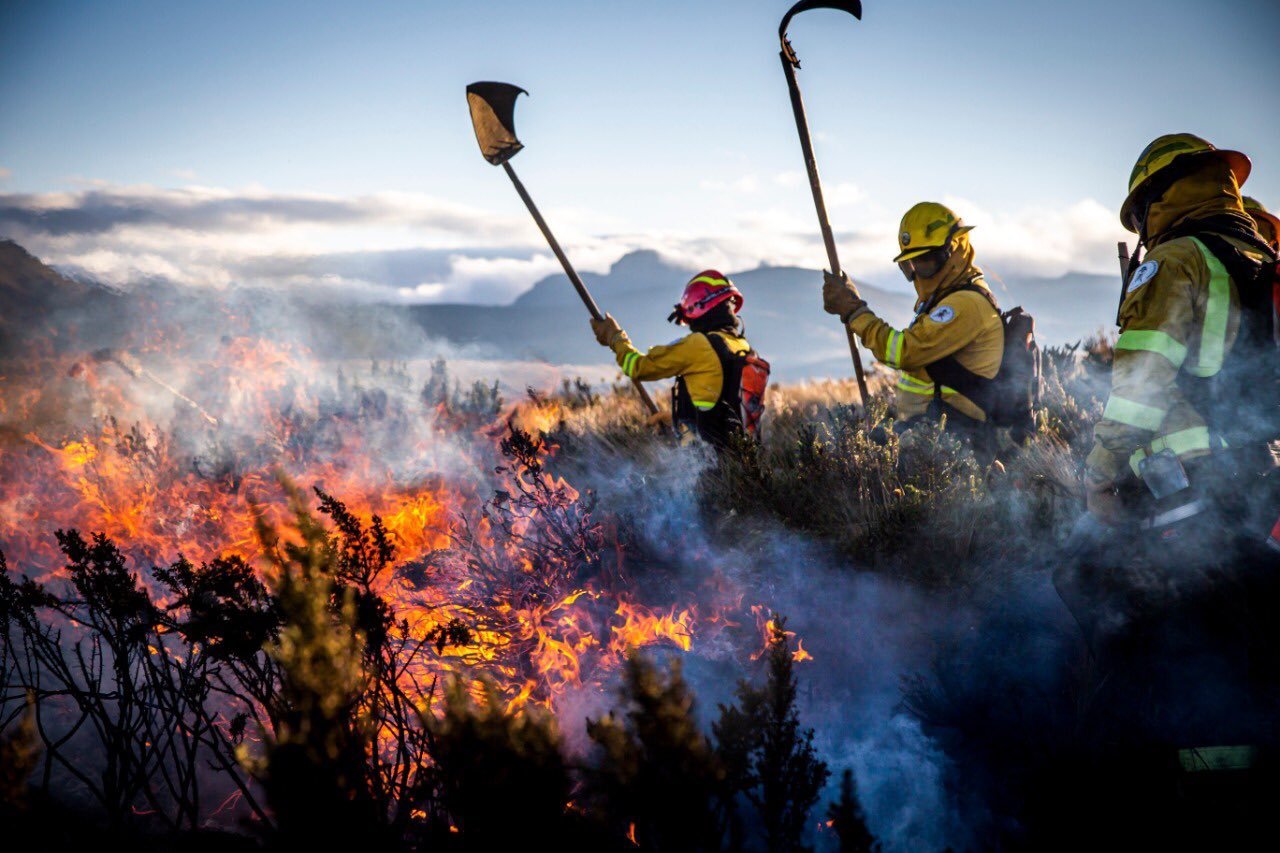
(791, 62)
(493, 108)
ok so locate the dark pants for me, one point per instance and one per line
(1184, 620)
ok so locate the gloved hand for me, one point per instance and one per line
(840, 297)
(606, 329)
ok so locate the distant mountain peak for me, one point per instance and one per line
(25, 277)
(642, 262)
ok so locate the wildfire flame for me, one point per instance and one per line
(768, 631)
(197, 486)
(172, 453)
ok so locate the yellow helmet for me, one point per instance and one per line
(1162, 152)
(1254, 208)
(925, 227)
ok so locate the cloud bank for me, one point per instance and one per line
(409, 247)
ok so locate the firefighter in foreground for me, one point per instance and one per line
(951, 354)
(1177, 596)
(1193, 400)
(720, 381)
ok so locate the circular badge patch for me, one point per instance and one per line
(906, 238)
(943, 314)
(1142, 275)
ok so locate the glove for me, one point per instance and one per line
(606, 329)
(840, 297)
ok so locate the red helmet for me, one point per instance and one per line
(705, 291)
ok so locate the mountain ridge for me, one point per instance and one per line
(783, 313)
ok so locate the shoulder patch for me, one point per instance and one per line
(943, 314)
(1142, 275)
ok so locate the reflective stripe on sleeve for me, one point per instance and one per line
(1181, 443)
(893, 348)
(1150, 340)
(914, 386)
(1213, 335)
(1133, 414)
(629, 364)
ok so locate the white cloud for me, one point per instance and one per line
(843, 195)
(1046, 241)
(745, 185)
(423, 292)
(414, 247)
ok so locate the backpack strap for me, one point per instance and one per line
(950, 372)
(970, 287)
(726, 416)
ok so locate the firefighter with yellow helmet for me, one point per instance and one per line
(1267, 223)
(952, 350)
(1176, 585)
(1193, 393)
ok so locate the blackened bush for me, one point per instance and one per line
(658, 779)
(500, 776)
(766, 756)
(846, 819)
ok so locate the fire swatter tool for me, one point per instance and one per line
(493, 108)
(135, 369)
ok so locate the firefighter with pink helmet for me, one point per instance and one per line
(720, 381)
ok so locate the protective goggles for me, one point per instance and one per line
(927, 265)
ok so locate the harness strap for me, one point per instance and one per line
(955, 376)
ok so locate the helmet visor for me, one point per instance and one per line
(927, 265)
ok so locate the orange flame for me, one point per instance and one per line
(197, 486)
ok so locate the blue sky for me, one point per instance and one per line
(342, 127)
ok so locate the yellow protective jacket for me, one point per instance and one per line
(1180, 314)
(948, 322)
(691, 357)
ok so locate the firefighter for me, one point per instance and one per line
(1179, 598)
(720, 381)
(957, 336)
(1190, 397)
(1267, 223)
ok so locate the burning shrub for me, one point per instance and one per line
(119, 703)
(476, 405)
(668, 786)
(223, 606)
(314, 764)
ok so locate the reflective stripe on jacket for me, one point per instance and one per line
(1183, 317)
(691, 357)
